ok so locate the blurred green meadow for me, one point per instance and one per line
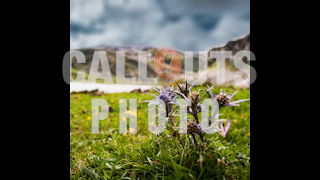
(110, 155)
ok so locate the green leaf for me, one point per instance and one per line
(219, 145)
(109, 165)
(118, 167)
(106, 175)
(233, 157)
(149, 161)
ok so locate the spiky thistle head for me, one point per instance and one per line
(185, 88)
(194, 97)
(193, 128)
(166, 94)
(224, 99)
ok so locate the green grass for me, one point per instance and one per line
(110, 155)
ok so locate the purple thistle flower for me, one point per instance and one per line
(214, 126)
(223, 131)
(165, 94)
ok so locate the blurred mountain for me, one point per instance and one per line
(235, 45)
(131, 57)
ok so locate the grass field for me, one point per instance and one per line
(110, 155)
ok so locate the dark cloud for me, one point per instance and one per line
(78, 29)
(181, 24)
(205, 22)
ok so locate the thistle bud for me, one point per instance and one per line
(223, 99)
(194, 98)
(193, 128)
(165, 98)
(183, 88)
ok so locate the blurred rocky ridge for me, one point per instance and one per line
(131, 59)
(235, 45)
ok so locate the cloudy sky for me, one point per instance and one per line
(185, 25)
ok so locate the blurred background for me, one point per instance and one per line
(185, 25)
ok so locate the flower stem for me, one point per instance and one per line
(195, 114)
(172, 118)
(194, 139)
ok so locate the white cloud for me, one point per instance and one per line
(84, 12)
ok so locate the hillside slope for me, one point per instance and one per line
(131, 59)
